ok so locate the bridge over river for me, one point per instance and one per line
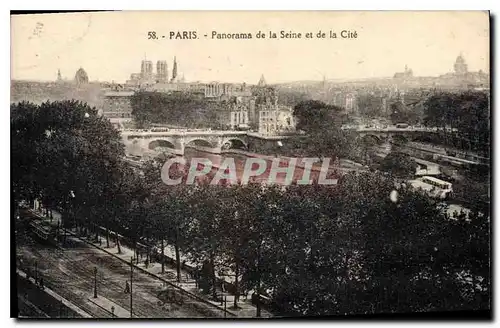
(176, 140)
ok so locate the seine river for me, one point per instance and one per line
(331, 170)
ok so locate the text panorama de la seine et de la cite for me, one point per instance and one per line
(193, 35)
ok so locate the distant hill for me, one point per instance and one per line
(38, 92)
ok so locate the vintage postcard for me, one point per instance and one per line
(251, 164)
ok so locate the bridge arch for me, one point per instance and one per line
(160, 143)
(234, 143)
(198, 142)
(370, 139)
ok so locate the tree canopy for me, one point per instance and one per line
(68, 156)
(468, 111)
(323, 134)
(313, 250)
(177, 108)
(399, 164)
(65, 142)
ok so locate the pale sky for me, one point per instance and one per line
(110, 46)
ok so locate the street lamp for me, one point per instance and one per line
(95, 282)
(36, 272)
(280, 144)
(71, 197)
(225, 306)
(131, 277)
(259, 279)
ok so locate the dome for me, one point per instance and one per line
(460, 65)
(81, 76)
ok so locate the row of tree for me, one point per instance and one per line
(468, 112)
(317, 250)
(314, 250)
(177, 108)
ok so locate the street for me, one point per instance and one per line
(70, 273)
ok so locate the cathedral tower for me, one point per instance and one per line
(161, 71)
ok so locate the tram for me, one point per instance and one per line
(42, 232)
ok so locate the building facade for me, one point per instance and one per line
(117, 104)
(272, 118)
(276, 120)
(240, 108)
(407, 74)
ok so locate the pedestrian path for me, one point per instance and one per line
(187, 283)
(57, 296)
(114, 309)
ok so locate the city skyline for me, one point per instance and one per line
(110, 46)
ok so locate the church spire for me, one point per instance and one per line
(174, 70)
(262, 81)
(59, 78)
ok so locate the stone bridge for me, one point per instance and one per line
(138, 142)
(392, 133)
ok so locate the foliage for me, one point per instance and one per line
(322, 124)
(313, 250)
(399, 164)
(177, 108)
(371, 105)
(400, 113)
(469, 112)
(64, 149)
(315, 115)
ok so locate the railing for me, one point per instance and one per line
(181, 132)
(395, 129)
(440, 154)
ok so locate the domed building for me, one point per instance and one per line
(81, 77)
(460, 66)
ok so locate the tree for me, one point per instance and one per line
(370, 105)
(468, 111)
(313, 115)
(324, 136)
(239, 222)
(399, 164)
(173, 219)
(353, 249)
(69, 136)
(205, 233)
(398, 112)
(177, 108)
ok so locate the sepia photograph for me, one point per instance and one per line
(250, 165)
